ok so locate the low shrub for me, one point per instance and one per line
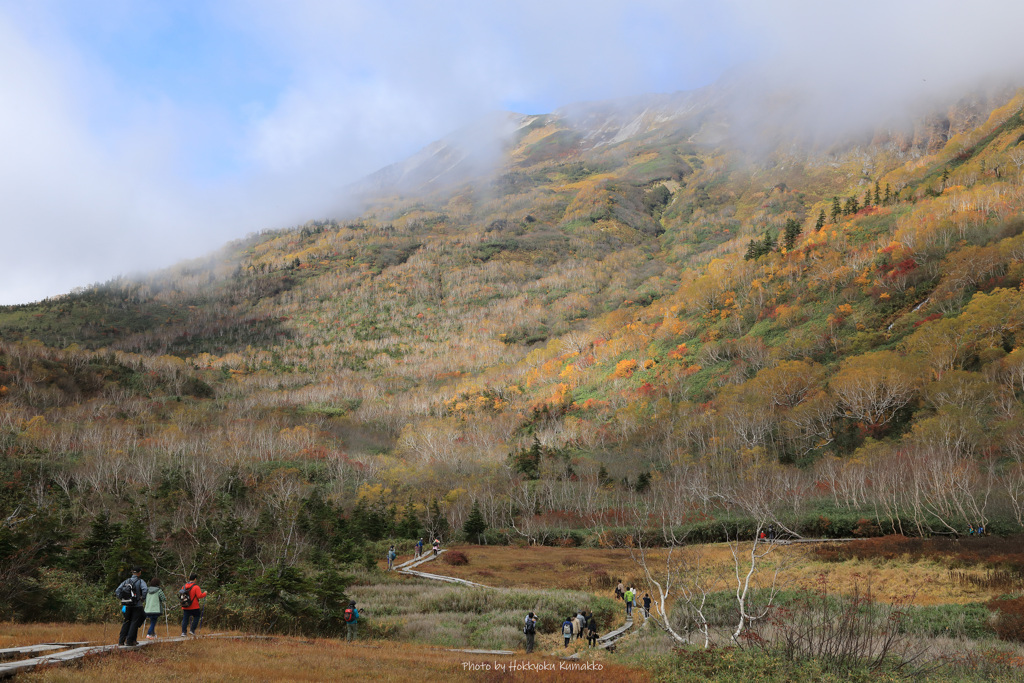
(1009, 622)
(455, 558)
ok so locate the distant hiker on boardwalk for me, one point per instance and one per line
(419, 548)
(530, 631)
(437, 546)
(154, 607)
(191, 609)
(619, 591)
(391, 558)
(647, 604)
(591, 629)
(628, 597)
(132, 594)
(351, 622)
(567, 629)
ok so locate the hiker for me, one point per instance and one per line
(647, 605)
(981, 530)
(189, 596)
(567, 629)
(437, 546)
(578, 623)
(132, 593)
(970, 530)
(154, 607)
(771, 532)
(351, 622)
(619, 591)
(530, 631)
(591, 629)
(419, 548)
(628, 597)
(391, 558)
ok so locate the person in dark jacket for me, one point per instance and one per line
(591, 629)
(530, 631)
(132, 593)
(192, 610)
(647, 605)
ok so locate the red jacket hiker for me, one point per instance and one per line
(194, 593)
(192, 612)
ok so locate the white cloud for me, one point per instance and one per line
(101, 177)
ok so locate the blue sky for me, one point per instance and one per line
(139, 132)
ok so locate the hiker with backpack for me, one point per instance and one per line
(437, 546)
(591, 629)
(351, 617)
(419, 548)
(391, 558)
(155, 601)
(619, 591)
(647, 605)
(628, 597)
(530, 631)
(132, 594)
(567, 629)
(191, 609)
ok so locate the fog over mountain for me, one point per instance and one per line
(138, 135)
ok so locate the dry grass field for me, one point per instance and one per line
(293, 659)
(597, 571)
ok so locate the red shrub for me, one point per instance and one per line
(456, 558)
(1009, 624)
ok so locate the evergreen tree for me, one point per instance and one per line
(867, 199)
(526, 461)
(888, 195)
(836, 209)
(643, 482)
(753, 250)
(820, 223)
(769, 242)
(792, 231)
(474, 526)
(410, 526)
(878, 194)
(945, 177)
(437, 523)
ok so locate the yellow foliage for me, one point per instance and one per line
(624, 368)
(372, 493)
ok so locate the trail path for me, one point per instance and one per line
(605, 642)
(66, 656)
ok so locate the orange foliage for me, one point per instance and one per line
(624, 368)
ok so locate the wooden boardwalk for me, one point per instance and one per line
(8, 669)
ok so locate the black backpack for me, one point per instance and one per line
(531, 627)
(185, 595)
(128, 591)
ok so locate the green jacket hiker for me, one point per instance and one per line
(155, 600)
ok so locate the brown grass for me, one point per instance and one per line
(291, 659)
(14, 635)
(598, 570)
